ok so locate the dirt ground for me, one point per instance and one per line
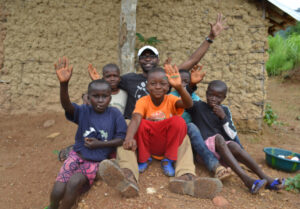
(29, 165)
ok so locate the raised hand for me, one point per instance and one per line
(63, 70)
(93, 73)
(218, 27)
(197, 74)
(173, 75)
(168, 61)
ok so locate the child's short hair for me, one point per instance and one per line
(110, 66)
(98, 81)
(156, 69)
(218, 84)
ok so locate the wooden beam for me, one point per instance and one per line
(127, 35)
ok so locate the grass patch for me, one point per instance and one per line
(284, 54)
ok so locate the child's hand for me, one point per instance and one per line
(63, 70)
(168, 61)
(218, 27)
(197, 75)
(93, 72)
(130, 144)
(173, 75)
(90, 143)
(218, 110)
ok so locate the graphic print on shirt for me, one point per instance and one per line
(157, 116)
(101, 134)
(141, 90)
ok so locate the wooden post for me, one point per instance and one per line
(127, 35)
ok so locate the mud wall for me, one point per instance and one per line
(40, 31)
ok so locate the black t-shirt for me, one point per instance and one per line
(135, 86)
(209, 123)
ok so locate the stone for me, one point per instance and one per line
(220, 201)
(48, 123)
(53, 135)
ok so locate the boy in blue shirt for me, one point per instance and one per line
(100, 130)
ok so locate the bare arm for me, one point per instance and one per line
(93, 143)
(175, 81)
(215, 30)
(130, 142)
(64, 73)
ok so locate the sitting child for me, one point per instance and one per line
(156, 124)
(100, 130)
(215, 124)
(199, 148)
(111, 73)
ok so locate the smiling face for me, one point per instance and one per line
(99, 96)
(148, 60)
(216, 93)
(157, 84)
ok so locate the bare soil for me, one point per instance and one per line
(28, 164)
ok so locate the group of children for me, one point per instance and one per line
(156, 129)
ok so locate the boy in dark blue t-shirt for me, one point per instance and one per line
(100, 130)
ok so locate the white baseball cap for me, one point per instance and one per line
(153, 49)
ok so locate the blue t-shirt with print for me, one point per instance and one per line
(186, 116)
(104, 126)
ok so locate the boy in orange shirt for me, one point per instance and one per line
(152, 130)
(156, 124)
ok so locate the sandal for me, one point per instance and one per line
(257, 185)
(64, 153)
(277, 184)
(167, 167)
(144, 166)
(223, 173)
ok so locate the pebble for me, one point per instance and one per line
(48, 123)
(53, 135)
(220, 201)
(150, 190)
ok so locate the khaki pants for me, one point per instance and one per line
(184, 164)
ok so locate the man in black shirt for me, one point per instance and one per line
(135, 84)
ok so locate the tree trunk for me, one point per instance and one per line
(127, 35)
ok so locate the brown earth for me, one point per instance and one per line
(28, 165)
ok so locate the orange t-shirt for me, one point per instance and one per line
(165, 110)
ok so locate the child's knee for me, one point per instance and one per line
(234, 147)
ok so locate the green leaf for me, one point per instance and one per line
(140, 37)
(55, 152)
